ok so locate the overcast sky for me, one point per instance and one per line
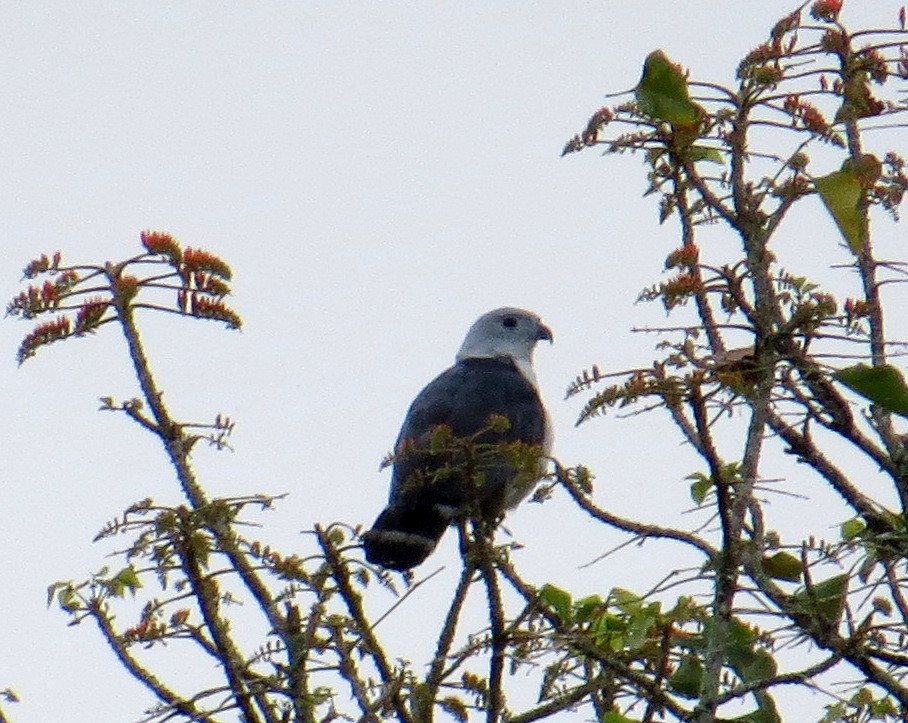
(378, 175)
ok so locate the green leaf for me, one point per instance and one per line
(557, 599)
(662, 93)
(128, 579)
(586, 607)
(740, 634)
(615, 717)
(641, 624)
(608, 630)
(834, 712)
(883, 385)
(702, 153)
(852, 528)
(766, 713)
(68, 600)
(626, 601)
(748, 662)
(700, 487)
(825, 599)
(759, 666)
(841, 193)
(883, 707)
(686, 679)
(783, 566)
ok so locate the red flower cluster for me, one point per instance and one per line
(41, 264)
(201, 260)
(163, 244)
(809, 115)
(205, 308)
(209, 284)
(826, 10)
(686, 256)
(146, 630)
(677, 290)
(790, 22)
(38, 299)
(835, 41)
(33, 301)
(180, 617)
(600, 118)
(856, 309)
(43, 334)
(872, 61)
(89, 315)
(636, 386)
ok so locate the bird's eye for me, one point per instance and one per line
(509, 321)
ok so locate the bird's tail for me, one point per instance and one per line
(403, 536)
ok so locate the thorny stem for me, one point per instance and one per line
(562, 702)
(372, 645)
(688, 240)
(803, 447)
(177, 446)
(140, 672)
(303, 641)
(826, 636)
(746, 218)
(207, 595)
(619, 669)
(446, 638)
(599, 693)
(167, 430)
(352, 676)
(797, 678)
(897, 593)
(726, 569)
(641, 530)
(661, 671)
(495, 703)
(867, 270)
(735, 498)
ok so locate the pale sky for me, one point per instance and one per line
(378, 175)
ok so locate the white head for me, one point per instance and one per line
(508, 332)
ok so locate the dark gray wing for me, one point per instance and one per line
(430, 489)
(463, 398)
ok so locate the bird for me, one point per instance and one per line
(492, 378)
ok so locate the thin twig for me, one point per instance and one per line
(373, 646)
(640, 529)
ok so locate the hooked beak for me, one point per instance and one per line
(544, 333)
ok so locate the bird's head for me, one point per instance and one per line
(508, 331)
